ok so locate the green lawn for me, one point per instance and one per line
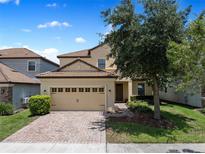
(10, 124)
(189, 128)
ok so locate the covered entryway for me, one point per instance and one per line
(121, 91)
(78, 98)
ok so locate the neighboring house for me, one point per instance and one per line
(26, 61)
(86, 80)
(15, 86)
(187, 98)
(19, 66)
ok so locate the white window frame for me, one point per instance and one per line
(28, 65)
(98, 63)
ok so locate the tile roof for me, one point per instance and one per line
(79, 54)
(76, 54)
(18, 53)
(77, 74)
(9, 75)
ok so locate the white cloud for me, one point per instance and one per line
(54, 24)
(109, 28)
(52, 5)
(17, 2)
(26, 30)
(25, 46)
(80, 40)
(5, 47)
(51, 54)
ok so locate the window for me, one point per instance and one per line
(101, 90)
(101, 63)
(53, 90)
(165, 89)
(81, 89)
(60, 90)
(95, 89)
(32, 66)
(74, 90)
(67, 89)
(141, 89)
(87, 89)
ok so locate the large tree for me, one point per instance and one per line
(188, 57)
(139, 41)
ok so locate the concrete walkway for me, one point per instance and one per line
(99, 148)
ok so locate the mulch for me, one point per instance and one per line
(145, 119)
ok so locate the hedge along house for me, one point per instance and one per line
(15, 86)
(87, 80)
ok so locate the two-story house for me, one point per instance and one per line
(86, 80)
(18, 67)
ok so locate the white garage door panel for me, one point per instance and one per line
(78, 101)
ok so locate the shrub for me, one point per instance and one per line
(139, 106)
(6, 109)
(39, 104)
(203, 110)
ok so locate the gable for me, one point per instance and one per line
(78, 66)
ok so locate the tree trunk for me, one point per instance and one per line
(156, 100)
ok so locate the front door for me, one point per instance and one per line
(119, 92)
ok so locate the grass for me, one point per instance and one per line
(11, 124)
(189, 128)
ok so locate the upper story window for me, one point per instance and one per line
(32, 66)
(101, 63)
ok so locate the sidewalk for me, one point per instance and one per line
(99, 148)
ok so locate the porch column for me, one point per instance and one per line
(129, 89)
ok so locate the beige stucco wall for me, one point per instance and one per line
(109, 85)
(125, 91)
(78, 66)
(101, 52)
(148, 89)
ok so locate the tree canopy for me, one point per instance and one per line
(139, 41)
(188, 56)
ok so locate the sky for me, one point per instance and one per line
(54, 27)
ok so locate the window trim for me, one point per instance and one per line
(104, 61)
(67, 90)
(94, 90)
(56, 89)
(28, 66)
(74, 91)
(60, 90)
(101, 90)
(87, 90)
(80, 90)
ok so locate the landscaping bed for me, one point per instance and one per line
(12, 123)
(179, 124)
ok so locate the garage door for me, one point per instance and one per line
(78, 98)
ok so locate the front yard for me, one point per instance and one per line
(189, 127)
(10, 124)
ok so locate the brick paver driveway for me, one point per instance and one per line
(64, 127)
